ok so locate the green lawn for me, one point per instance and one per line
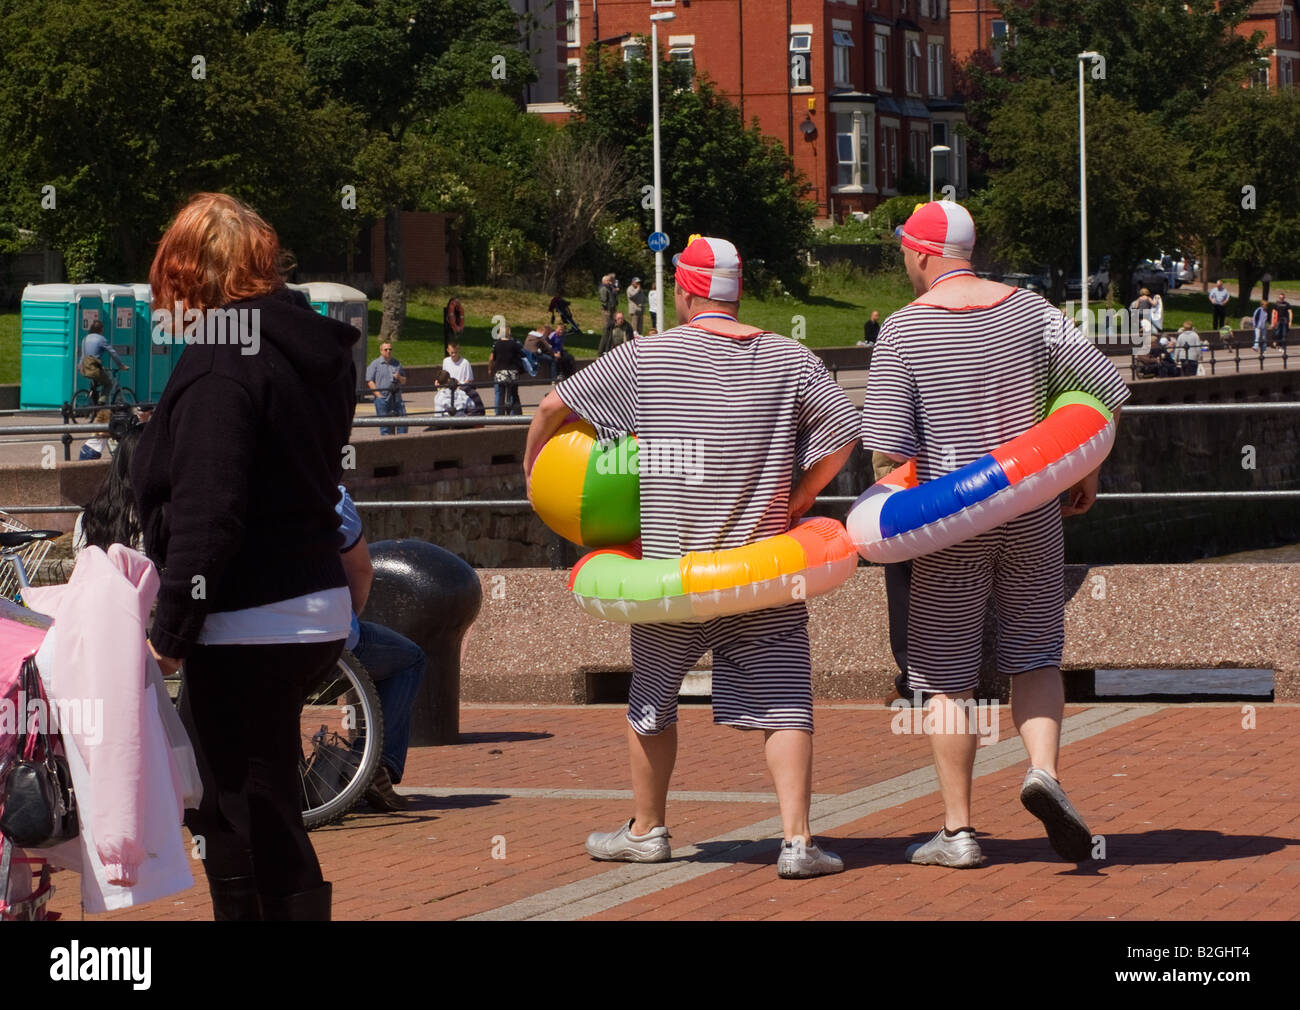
(832, 316)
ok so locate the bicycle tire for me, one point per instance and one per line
(335, 774)
(81, 404)
(125, 396)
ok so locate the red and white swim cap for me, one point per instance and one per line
(709, 268)
(940, 228)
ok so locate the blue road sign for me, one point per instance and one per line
(657, 242)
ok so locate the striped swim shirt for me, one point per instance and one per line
(721, 423)
(948, 386)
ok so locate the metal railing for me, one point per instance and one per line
(435, 420)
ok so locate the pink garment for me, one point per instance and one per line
(101, 617)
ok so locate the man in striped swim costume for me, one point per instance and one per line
(741, 408)
(968, 365)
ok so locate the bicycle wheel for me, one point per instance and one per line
(125, 395)
(342, 735)
(82, 406)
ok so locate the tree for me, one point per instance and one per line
(719, 176)
(1139, 185)
(1248, 192)
(126, 109)
(581, 179)
(395, 60)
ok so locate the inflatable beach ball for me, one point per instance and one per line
(586, 491)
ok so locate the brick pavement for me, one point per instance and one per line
(1198, 814)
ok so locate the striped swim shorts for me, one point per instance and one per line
(1022, 563)
(762, 672)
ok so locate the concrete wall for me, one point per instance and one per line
(532, 643)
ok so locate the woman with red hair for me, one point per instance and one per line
(236, 478)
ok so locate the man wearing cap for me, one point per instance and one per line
(967, 366)
(751, 406)
(636, 305)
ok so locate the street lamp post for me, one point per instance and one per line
(659, 211)
(941, 149)
(1083, 198)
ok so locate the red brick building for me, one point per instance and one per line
(978, 24)
(1279, 20)
(856, 90)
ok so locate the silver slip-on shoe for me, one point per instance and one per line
(625, 847)
(797, 862)
(960, 851)
(1043, 797)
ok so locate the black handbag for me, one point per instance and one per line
(39, 805)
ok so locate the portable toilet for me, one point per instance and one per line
(338, 301)
(118, 304)
(55, 320)
(155, 356)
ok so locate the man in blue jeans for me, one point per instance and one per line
(395, 663)
(385, 376)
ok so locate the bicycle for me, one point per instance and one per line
(342, 722)
(85, 403)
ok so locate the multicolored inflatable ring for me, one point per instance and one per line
(896, 518)
(587, 492)
(590, 493)
(811, 559)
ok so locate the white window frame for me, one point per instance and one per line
(573, 68)
(573, 23)
(889, 167)
(842, 58)
(862, 131)
(934, 64)
(912, 69)
(796, 47)
(638, 44)
(881, 61)
(1287, 24)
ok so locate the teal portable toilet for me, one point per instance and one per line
(338, 301)
(55, 320)
(118, 301)
(156, 356)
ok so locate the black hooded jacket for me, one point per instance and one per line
(236, 474)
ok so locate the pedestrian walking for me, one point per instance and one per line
(959, 371)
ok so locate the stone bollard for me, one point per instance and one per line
(432, 597)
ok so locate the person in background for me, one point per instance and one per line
(1259, 322)
(92, 367)
(621, 332)
(504, 363)
(394, 662)
(111, 516)
(562, 362)
(561, 306)
(1158, 312)
(386, 377)
(637, 299)
(236, 479)
(608, 293)
(1187, 349)
(1219, 301)
(458, 367)
(1281, 319)
(95, 446)
(871, 329)
(536, 349)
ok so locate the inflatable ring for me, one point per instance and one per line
(896, 518)
(590, 493)
(586, 491)
(811, 559)
(456, 315)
